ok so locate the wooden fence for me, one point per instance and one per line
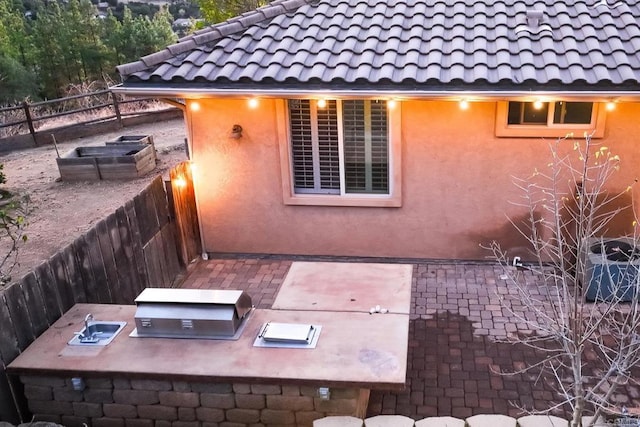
(33, 124)
(135, 247)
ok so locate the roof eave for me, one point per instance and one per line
(455, 94)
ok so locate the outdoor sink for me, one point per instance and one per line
(97, 333)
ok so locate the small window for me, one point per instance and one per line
(549, 119)
(340, 152)
(572, 112)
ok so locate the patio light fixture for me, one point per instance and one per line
(610, 106)
(538, 104)
(464, 104)
(253, 103)
(194, 106)
(391, 104)
(322, 103)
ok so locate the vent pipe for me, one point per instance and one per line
(534, 18)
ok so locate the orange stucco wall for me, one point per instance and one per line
(456, 179)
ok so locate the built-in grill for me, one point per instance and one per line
(191, 313)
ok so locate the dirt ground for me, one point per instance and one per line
(61, 211)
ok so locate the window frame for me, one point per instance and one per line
(552, 130)
(290, 197)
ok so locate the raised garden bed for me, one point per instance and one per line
(133, 139)
(114, 161)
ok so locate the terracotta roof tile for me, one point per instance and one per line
(373, 43)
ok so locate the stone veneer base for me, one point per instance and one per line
(124, 402)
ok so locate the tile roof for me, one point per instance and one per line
(387, 44)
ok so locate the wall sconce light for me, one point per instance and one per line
(610, 106)
(194, 106)
(538, 105)
(236, 132)
(322, 103)
(391, 104)
(253, 103)
(464, 104)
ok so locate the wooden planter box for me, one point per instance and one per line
(133, 139)
(116, 161)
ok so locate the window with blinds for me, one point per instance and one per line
(365, 146)
(341, 147)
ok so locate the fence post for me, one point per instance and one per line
(116, 107)
(27, 115)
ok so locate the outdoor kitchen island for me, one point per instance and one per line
(363, 314)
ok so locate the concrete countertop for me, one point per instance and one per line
(354, 350)
(343, 287)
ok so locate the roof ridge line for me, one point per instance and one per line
(212, 33)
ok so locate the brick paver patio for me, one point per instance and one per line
(456, 337)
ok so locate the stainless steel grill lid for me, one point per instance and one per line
(191, 313)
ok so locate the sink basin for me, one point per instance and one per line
(98, 333)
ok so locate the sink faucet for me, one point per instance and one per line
(85, 335)
(88, 318)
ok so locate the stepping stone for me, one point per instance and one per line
(338, 421)
(389, 421)
(542, 421)
(440, 422)
(491, 421)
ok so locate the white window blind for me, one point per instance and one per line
(355, 130)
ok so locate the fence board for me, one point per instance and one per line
(49, 291)
(62, 282)
(160, 201)
(7, 405)
(9, 349)
(137, 245)
(17, 305)
(103, 294)
(123, 292)
(153, 256)
(125, 257)
(35, 303)
(186, 216)
(172, 266)
(109, 263)
(162, 256)
(83, 257)
(146, 214)
(76, 281)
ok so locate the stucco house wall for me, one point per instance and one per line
(457, 184)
